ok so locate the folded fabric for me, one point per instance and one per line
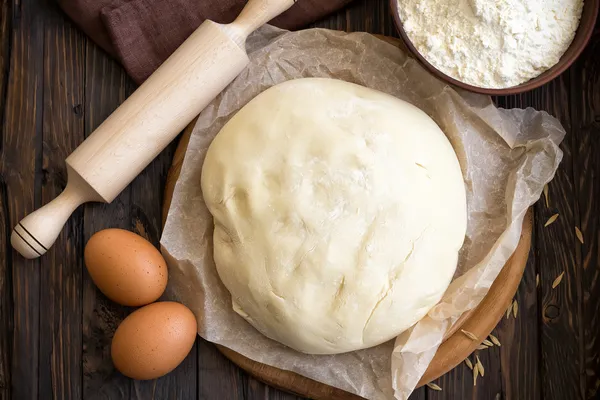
(143, 33)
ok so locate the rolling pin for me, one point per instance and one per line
(151, 118)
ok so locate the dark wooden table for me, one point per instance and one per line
(55, 327)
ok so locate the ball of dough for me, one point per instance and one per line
(339, 214)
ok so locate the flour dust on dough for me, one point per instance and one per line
(339, 214)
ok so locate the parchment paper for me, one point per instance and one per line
(507, 157)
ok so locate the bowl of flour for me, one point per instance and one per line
(496, 47)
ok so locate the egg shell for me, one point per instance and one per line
(127, 268)
(154, 340)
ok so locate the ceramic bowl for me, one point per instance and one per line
(584, 33)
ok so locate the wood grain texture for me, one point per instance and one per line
(20, 167)
(61, 271)
(520, 337)
(485, 317)
(54, 80)
(145, 199)
(558, 315)
(519, 354)
(106, 86)
(256, 390)
(6, 306)
(6, 296)
(373, 16)
(136, 209)
(457, 383)
(559, 308)
(585, 97)
(217, 376)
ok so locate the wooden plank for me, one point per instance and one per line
(6, 303)
(511, 370)
(585, 87)
(6, 309)
(489, 386)
(539, 374)
(218, 378)
(519, 353)
(419, 394)
(559, 309)
(371, 16)
(106, 86)
(62, 267)
(587, 260)
(20, 167)
(146, 206)
(256, 390)
(362, 16)
(457, 384)
(178, 384)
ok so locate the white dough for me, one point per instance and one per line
(339, 214)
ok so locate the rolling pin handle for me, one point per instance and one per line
(256, 14)
(148, 121)
(37, 232)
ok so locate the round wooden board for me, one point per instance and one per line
(456, 347)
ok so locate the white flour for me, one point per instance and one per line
(491, 43)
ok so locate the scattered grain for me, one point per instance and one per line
(480, 366)
(475, 375)
(551, 220)
(515, 308)
(469, 363)
(433, 386)
(470, 335)
(558, 280)
(579, 234)
(546, 195)
(482, 347)
(488, 343)
(495, 340)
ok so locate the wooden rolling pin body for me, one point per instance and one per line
(102, 166)
(161, 108)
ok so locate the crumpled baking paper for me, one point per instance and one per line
(507, 156)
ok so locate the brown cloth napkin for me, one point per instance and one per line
(143, 33)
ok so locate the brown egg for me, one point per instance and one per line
(127, 268)
(154, 340)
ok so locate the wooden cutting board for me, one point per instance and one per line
(453, 351)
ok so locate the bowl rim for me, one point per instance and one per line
(531, 84)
